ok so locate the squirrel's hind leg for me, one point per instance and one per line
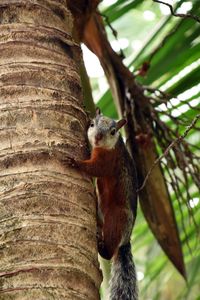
(112, 234)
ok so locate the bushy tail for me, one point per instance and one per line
(123, 283)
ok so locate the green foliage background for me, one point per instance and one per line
(175, 69)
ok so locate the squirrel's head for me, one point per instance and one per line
(103, 132)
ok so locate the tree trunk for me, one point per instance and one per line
(47, 211)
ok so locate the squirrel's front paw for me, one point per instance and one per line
(70, 161)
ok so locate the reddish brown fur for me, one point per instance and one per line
(103, 164)
(97, 165)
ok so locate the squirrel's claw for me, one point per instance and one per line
(70, 162)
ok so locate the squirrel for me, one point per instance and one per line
(116, 188)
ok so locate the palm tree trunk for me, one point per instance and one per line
(47, 211)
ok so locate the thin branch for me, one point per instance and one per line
(164, 41)
(156, 91)
(166, 152)
(114, 31)
(191, 16)
(163, 97)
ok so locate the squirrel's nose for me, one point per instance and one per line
(98, 136)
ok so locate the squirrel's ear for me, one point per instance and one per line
(121, 123)
(98, 111)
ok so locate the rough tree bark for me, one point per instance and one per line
(47, 211)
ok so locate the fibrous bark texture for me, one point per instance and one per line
(47, 211)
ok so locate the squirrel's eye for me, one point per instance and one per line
(113, 131)
(92, 124)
